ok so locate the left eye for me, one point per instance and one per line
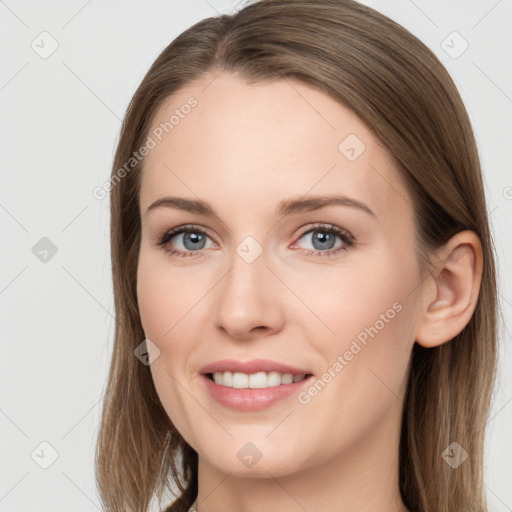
(323, 239)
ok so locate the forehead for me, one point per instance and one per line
(222, 138)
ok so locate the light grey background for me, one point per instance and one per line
(60, 118)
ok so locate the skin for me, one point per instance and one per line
(243, 149)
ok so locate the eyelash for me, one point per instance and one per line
(347, 238)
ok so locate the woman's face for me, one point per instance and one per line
(266, 277)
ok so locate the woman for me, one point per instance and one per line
(303, 273)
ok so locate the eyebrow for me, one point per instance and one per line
(285, 208)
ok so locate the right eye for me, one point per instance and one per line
(190, 239)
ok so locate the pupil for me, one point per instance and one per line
(194, 238)
(325, 239)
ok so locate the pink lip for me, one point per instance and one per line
(254, 366)
(252, 399)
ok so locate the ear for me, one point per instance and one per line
(451, 290)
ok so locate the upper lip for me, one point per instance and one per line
(253, 366)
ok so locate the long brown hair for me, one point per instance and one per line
(397, 86)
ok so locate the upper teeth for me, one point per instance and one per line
(255, 380)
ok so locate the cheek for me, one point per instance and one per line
(155, 305)
(165, 295)
(352, 298)
(370, 314)
(163, 304)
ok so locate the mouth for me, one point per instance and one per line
(255, 391)
(258, 380)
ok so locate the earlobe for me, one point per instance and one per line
(451, 291)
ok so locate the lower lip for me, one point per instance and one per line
(252, 399)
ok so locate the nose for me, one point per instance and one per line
(248, 300)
